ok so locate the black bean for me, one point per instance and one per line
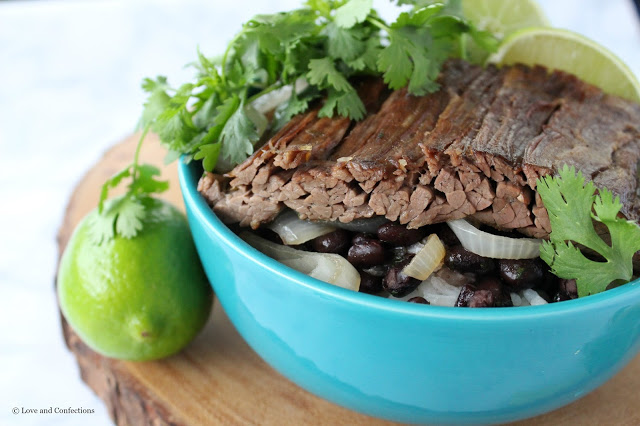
(548, 284)
(567, 290)
(397, 283)
(482, 299)
(521, 274)
(418, 299)
(370, 284)
(333, 242)
(398, 235)
(446, 235)
(269, 235)
(376, 270)
(399, 254)
(569, 287)
(501, 296)
(465, 294)
(544, 295)
(560, 297)
(475, 295)
(462, 260)
(366, 253)
(361, 237)
(454, 277)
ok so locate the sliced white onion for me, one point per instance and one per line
(415, 293)
(454, 278)
(274, 99)
(427, 260)
(495, 246)
(516, 299)
(443, 287)
(533, 297)
(368, 226)
(442, 300)
(331, 268)
(438, 292)
(415, 248)
(294, 230)
(257, 112)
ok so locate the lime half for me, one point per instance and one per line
(503, 17)
(571, 52)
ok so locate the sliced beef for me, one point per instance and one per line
(473, 148)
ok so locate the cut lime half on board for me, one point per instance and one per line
(570, 52)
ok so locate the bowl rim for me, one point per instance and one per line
(201, 211)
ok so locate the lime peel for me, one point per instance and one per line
(137, 299)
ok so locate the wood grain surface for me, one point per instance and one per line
(219, 380)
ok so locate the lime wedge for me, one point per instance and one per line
(571, 52)
(503, 17)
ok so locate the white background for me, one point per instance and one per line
(70, 73)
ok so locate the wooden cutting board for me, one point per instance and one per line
(218, 379)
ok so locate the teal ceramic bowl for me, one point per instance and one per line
(408, 362)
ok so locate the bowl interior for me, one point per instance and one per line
(191, 172)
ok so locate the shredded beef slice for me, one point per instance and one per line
(473, 148)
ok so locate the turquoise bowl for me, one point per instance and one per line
(408, 362)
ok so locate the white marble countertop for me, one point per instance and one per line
(70, 73)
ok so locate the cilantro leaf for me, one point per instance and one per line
(395, 62)
(323, 73)
(125, 215)
(367, 61)
(347, 103)
(209, 155)
(417, 17)
(323, 7)
(344, 44)
(573, 207)
(145, 183)
(113, 182)
(353, 12)
(158, 99)
(419, 42)
(129, 218)
(238, 135)
(297, 104)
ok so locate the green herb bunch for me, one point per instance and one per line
(326, 43)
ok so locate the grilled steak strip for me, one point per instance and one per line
(473, 148)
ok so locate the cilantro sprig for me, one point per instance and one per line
(328, 43)
(125, 215)
(572, 208)
(325, 43)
